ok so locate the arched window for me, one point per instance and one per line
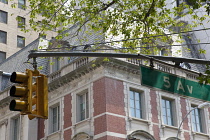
(140, 135)
(172, 138)
(82, 136)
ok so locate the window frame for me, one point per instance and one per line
(5, 41)
(203, 119)
(144, 99)
(21, 22)
(23, 39)
(140, 103)
(86, 109)
(16, 129)
(196, 119)
(3, 12)
(55, 129)
(173, 112)
(20, 5)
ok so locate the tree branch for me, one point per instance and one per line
(149, 11)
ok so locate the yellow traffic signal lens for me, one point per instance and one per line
(18, 91)
(17, 105)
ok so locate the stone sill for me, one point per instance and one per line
(201, 134)
(81, 122)
(138, 119)
(169, 126)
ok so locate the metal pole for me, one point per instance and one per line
(183, 121)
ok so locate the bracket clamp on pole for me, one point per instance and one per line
(34, 63)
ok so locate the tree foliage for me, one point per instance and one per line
(128, 19)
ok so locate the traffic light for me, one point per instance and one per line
(32, 92)
(23, 91)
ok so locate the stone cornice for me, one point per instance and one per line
(99, 62)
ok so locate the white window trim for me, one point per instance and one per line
(145, 100)
(50, 118)
(204, 118)
(78, 106)
(82, 89)
(11, 127)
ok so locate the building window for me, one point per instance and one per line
(167, 112)
(20, 41)
(54, 119)
(22, 4)
(3, 17)
(135, 104)
(15, 126)
(2, 56)
(196, 120)
(55, 64)
(21, 22)
(4, 1)
(82, 107)
(3, 37)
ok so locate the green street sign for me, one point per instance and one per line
(174, 84)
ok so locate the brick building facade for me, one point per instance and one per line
(94, 101)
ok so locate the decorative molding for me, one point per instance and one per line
(91, 66)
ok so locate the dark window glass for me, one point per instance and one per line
(2, 56)
(20, 41)
(3, 17)
(3, 37)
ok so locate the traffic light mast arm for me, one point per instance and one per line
(35, 54)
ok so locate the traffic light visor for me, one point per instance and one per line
(17, 91)
(18, 77)
(17, 105)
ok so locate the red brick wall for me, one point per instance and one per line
(108, 96)
(153, 103)
(186, 136)
(40, 128)
(109, 123)
(156, 131)
(67, 134)
(67, 111)
(184, 112)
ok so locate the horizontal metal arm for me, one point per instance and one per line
(34, 54)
